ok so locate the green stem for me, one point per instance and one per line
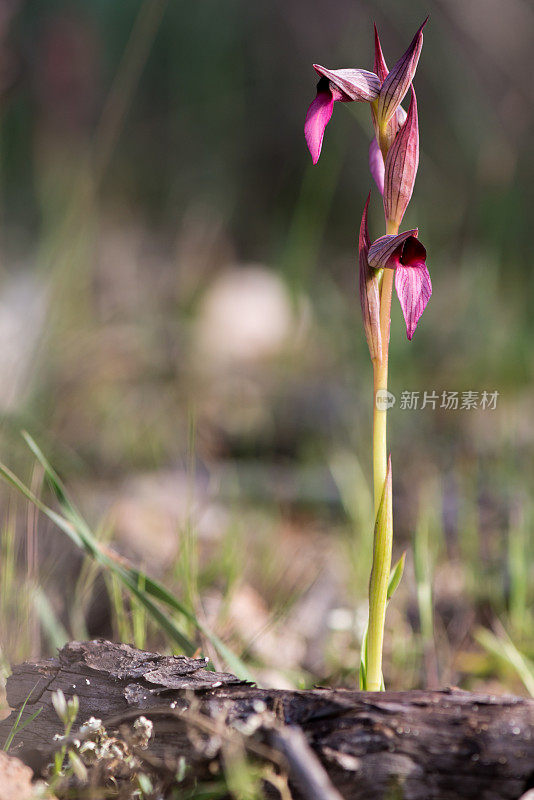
(378, 588)
(383, 533)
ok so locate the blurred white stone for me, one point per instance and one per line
(23, 305)
(247, 315)
(341, 619)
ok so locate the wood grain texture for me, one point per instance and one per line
(435, 745)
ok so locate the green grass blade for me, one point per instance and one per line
(133, 576)
(60, 491)
(89, 540)
(85, 543)
(160, 593)
(504, 649)
(50, 624)
(73, 524)
(16, 727)
(56, 518)
(20, 728)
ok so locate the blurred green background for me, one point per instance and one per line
(181, 329)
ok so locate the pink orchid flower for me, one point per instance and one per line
(404, 253)
(400, 77)
(343, 85)
(397, 139)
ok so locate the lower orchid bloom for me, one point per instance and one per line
(404, 253)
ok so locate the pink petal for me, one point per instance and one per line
(376, 165)
(414, 290)
(317, 119)
(354, 84)
(401, 167)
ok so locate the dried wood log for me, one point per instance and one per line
(435, 745)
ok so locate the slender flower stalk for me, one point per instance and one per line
(382, 483)
(378, 584)
(394, 259)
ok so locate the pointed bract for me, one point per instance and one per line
(317, 119)
(414, 290)
(369, 292)
(401, 167)
(396, 84)
(395, 576)
(354, 84)
(376, 165)
(380, 67)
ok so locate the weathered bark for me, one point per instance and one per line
(415, 745)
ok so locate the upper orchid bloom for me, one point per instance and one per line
(344, 85)
(404, 253)
(388, 134)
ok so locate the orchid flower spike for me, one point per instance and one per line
(343, 85)
(404, 253)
